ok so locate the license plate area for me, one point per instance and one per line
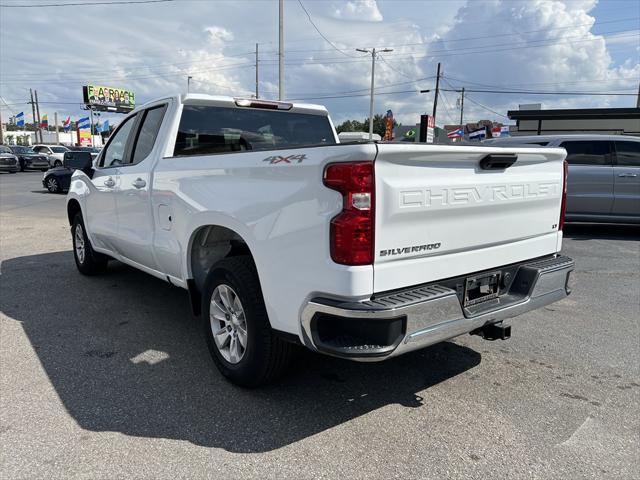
(481, 288)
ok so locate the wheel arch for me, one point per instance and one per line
(73, 208)
(208, 244)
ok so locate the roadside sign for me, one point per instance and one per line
(108, 99)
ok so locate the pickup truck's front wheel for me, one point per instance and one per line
(237, 329)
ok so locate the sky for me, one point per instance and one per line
(561, 46)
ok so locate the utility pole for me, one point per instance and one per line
(1, 133)
(462, 106)
(638, 100)
(373, 77)
(281, 52)
(189, 83)
(435, 98)
(257, 71)
(55, 119)
(38, 112)
(33, 109)
(91, 126)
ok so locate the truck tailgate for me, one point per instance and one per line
(440, 215)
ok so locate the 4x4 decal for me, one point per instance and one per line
(289, 159)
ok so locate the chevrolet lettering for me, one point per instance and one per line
(441, 197)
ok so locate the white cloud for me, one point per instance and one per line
(360, 10)
(158, 46)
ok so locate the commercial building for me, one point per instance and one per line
(605, 121)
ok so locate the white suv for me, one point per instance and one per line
(55, 153)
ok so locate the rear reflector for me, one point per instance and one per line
(352, 230)
(563, 206)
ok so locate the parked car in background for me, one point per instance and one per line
(55, 153)
(57, 179)
(604, 174)
(8, 161)
(29, 159)
(92, 150)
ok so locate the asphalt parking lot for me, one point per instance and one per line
(109, 377)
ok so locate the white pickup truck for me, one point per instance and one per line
(282, 235)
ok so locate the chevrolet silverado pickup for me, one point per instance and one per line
(283, 236)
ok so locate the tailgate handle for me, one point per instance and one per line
(498, 161)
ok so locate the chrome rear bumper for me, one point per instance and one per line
(432, 313)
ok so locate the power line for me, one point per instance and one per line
(484, 106)
(515, 85)
(466, 39)
(339, 60)
(394, 68)
(319, 32)
(83, 4)
(529, 92)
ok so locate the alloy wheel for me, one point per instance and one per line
(228, 323)
(79, 243)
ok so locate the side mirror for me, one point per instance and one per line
(78, 161)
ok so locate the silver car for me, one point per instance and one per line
(604, 175)
(8, 161)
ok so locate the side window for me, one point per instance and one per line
(114, 152)
(588, 152)
(148, 132)
(628, 153)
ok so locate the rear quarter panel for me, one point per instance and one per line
(279, 207)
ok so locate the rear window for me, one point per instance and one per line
(207, 130)
(628, 153)
(588, 152)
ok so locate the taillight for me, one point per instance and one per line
(563, 206)
(352, 230)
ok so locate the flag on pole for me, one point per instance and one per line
(456, 133)
(20, 119)
(84, 123)
(44, 121)
(104, 127)
(67, 124)
(478, 134)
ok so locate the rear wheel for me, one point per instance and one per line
(88, 261)
(53, 185)
(239, 336)
(57, 163)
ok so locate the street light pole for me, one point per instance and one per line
(462, 106)
(189, 83)
(281, 51)
(373, 76)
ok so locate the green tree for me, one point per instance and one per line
(379, 125)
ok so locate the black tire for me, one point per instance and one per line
(13, 172)
(266, 355)
(57, 163)
(92, 262)
(22, 165)
(53, 185)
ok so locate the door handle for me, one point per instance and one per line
(109, 182)
(627, 174)
(139, 183)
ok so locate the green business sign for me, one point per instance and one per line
(108, 99)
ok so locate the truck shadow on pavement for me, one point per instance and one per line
(124, 354)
